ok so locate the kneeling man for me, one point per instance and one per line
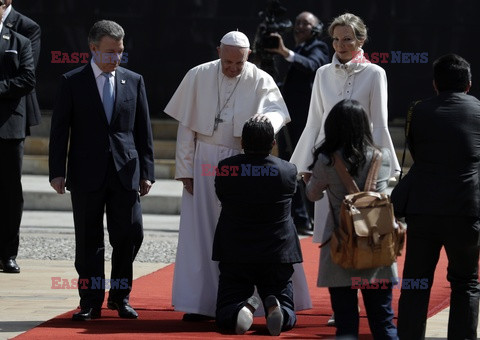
(255, 240)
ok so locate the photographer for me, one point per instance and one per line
(308, 55)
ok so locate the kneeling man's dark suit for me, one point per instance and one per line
(255, 241)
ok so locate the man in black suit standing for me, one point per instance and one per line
(102, 111)
(308, 55)
(443, 206)
(17, 79)
(22, 24)
(255, 239)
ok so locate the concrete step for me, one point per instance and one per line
(61, 222)
(38, 145)
(164, 197)
(38, 165)
(161, 128)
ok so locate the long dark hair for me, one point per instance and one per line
(347, 129)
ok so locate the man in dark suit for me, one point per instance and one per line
(255, 239)
(22, 24)
(17, 78)
(308, 55)
(102, 111)
(443, 206)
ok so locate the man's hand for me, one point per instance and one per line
(260, 117)
(187, 184)
(58, 183)
(281, 49)
(145, 186)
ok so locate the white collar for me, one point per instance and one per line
(97, 72)
(355, 65)
(6, 13)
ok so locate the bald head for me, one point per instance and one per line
(304, 23)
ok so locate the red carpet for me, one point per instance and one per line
(151, 297)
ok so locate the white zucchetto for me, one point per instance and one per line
(236, 38)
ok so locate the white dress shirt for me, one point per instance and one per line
(101, 79)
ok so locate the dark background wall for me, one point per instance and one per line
(165, 38)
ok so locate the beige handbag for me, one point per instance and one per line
(367, 235)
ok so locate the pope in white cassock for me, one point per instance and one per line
(212, 104)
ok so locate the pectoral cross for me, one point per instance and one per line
(217, 121)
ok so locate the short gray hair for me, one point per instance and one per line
(353, 21)
(104, 28)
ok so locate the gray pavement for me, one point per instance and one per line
(49, 235)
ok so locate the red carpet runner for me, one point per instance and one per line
(151, 297)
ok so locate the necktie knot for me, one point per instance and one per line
(108, 96)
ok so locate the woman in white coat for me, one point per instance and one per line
(348, 76)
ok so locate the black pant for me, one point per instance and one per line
(425, 237)
(378, 304)
(11, 196)
(125, 230)
(237, 283)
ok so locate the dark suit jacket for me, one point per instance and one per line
(255, 224)
(78, 116)
(30, 29)
(444, 141)
(297, 87)
(17, 78)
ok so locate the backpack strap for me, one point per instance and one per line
(371, 181)
(345, 177)
(348, 181)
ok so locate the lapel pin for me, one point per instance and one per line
(123, 81)
(9, 24)
(6, 36)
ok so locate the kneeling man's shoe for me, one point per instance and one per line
(87, 314)
(274, 315)
(245, 315)
(9, 266)
(124, 309)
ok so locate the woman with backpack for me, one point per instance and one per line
(347, 133)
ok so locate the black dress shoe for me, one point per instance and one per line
(124, 310)
(9, 266)
(87, 314)
(193, 317)
(304, 231)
